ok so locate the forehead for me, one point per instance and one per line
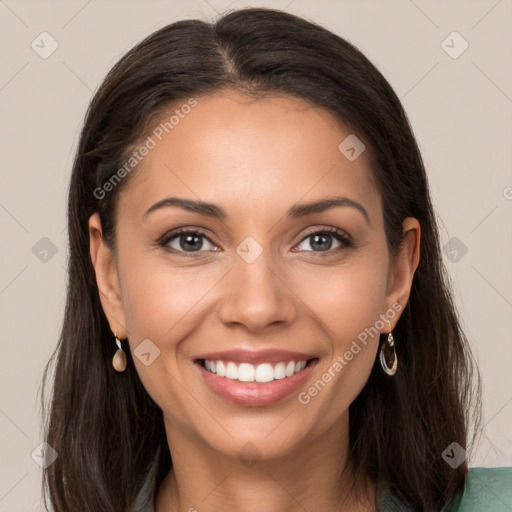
(230, 148)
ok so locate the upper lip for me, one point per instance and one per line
(256, 356)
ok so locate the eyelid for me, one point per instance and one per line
(330, 229)
(174, 233)
(342, 236)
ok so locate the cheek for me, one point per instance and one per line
(162, 304)
(159, 299)
(350, 309)
(348, 305)
(348, 299)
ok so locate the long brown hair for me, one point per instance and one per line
(106, 429)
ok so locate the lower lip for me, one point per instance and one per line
(256, 394)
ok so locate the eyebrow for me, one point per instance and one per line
(295, 212)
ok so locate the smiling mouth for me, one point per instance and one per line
(262, 373)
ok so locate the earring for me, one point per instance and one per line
(388, 359)
(119, 359)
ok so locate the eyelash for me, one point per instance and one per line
(336, 233)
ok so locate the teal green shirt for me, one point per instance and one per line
(487, 489)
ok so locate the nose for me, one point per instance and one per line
(257, 295)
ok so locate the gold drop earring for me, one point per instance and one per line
(119, 359)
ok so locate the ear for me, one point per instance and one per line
(403, 265)
(107, 278)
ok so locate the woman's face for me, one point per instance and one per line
(261, 286)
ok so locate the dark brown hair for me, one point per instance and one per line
(104, 426)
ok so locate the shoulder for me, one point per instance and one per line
(485, 489)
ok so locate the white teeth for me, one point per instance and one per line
(279, 371)
(220, 369)
(264, 373)
(232, 371)
(246, 372)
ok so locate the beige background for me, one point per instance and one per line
(460, 110)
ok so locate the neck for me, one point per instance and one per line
(315, 476)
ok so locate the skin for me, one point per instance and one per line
(255, 159)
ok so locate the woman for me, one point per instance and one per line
(214, 356)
